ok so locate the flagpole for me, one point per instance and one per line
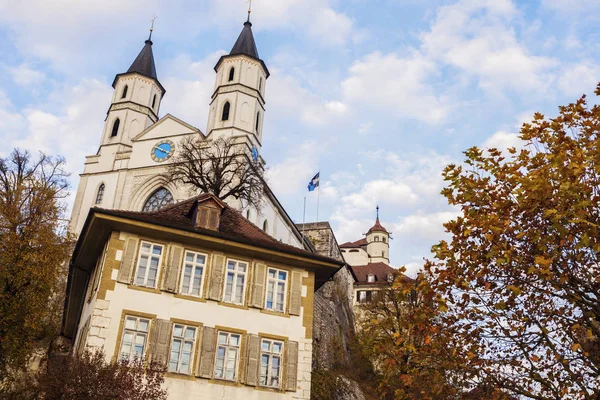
(304, 214)
(318, 193)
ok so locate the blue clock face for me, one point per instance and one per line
(163, 150)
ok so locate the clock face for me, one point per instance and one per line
(162, 150)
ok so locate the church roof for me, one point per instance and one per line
(354, 245)
(245, 43)
(377, 227)
(379, 270)
(144, 62)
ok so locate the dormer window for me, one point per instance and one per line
(371, 278)
(208, 218)
(124, 94)
(231, 73)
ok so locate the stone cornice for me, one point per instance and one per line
(238, 87)
(135, 107)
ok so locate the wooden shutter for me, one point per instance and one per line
(128, 261)
(207, 353)
(258, 288)
(295, 292)
(213, 220)
(203, 217)
(216, 277)
(291, 366)
(241, 376)
(252, 355)
(171, 278)
(159, 345)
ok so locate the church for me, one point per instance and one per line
(218, 292)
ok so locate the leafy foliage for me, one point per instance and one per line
(90, 377)
(520, 276)
(33, 247)
(221, 167)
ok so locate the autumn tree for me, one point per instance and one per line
(90, 377)
(520, 276)
(221, 166)
(33, 248)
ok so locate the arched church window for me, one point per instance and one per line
(100, 194)
(225, 115)
(153, 101)
(257, 120)
(115, 128)
(265, 226)
(231, 73)
(124, 94)
(159, 199)
(248, 214)
(260, 84)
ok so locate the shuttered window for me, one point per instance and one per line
(192, 279)
(182, 348)
(276, 290)
(227, 357)
(149, 261)
(270, 363)
(235, 282)
(135, 337)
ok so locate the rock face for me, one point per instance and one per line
(333, 326)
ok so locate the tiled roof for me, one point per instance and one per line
(379, 270)
(232, 225)
(352, 245)
(377, 227)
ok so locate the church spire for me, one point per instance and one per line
(144, 62)
(245, 43)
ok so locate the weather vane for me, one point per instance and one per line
(152, 27)
(249, 8)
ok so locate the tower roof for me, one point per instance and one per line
(144, 62)
(245, 43)
(245, 46)
(377, 227)
(143, 65)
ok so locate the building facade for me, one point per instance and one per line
(227, 308)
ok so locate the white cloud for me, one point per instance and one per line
(502, 140)
(476, 37)
(295, 171)
(399, 84)
(577, 79)
(23, 75)
(365, 129)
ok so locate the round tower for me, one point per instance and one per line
(378, 243)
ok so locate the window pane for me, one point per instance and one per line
(189, 257)
(130, 323)
(178, 330)
(190, 332)
(282, 275)
(234, 340)
(272, 273)
(157, 250)
(231, 265)
(266, 345)
(201, 259)
(277, 347)
(222, 339)
(242, 267)
(143, 325)
(146, 247)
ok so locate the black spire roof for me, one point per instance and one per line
(245, 43)
(144, 62)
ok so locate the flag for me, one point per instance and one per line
(314, 182)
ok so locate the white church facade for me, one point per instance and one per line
(220, 294)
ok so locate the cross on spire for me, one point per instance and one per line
(152, 27)
(249, 9)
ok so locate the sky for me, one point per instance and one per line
(377, 95)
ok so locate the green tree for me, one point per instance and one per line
(520, 277)
(33, 248)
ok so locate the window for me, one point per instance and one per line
(390, 278)
(160, 198)
(260, 84)
(371, 278)
(100, 194)
(225, 115)
(265, 226)
(362, 296)
(248, 214)
(192, 280)
(231, 73)
(270, 363)
(382, 253)
(257, 120)
(228, 349)
(153, 101)
(148, 264)
(135, 336)
(182, 348)
(235, 282)
(115, 128)
(383, 238)
(124, 94)
(276, 289)
(377, 238)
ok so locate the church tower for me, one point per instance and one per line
(237, 105)
(378, 239)
(136, 100)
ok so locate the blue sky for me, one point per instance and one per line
(378, 95)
